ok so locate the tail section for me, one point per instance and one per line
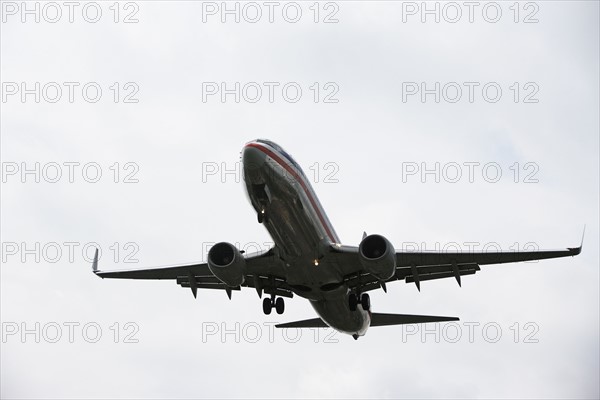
(378, 319)
(307, 323)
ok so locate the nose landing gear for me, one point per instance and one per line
(262, 216)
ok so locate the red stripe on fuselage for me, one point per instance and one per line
(299, 179)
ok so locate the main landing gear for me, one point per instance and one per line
(269, 303)
(353, 301)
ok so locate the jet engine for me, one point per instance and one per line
(377, 256)
(227, 263)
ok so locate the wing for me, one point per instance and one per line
(264, 272)
(422, 266)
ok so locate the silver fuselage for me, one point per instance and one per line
(301, 232)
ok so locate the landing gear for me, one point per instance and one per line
(279, 305)
(365, 301)
(353, 300)
(267, 306)
(270, 303)
(262, 216)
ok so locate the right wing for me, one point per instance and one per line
(418, 266)
(264, 272)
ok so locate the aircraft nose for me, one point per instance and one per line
(252, 158)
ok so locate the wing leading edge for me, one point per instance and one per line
(417, 266)
(262, 273)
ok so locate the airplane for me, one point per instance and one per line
(308, 259)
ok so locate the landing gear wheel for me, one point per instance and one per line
(267, 305)
(365, 301)
(352, 301)
(279, 305)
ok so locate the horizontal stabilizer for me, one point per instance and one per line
(307, 323)
(401, 319)
(376, 320)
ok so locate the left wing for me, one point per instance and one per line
(422, 266)
(263, 272)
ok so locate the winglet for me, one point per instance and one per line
(95, 262)
(577, 250)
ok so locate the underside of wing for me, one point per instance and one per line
(263, 273)
(406, 259)
(422, 266)
(173, 272)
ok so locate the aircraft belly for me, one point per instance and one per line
(295, 229)
(336, 313)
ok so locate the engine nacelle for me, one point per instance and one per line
(377, 256)
(227, 263)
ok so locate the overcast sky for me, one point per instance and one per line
(146, 96)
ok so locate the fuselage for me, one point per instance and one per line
(289, 209)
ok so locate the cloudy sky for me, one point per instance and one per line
(121, 127)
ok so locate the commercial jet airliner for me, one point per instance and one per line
(309, 260)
